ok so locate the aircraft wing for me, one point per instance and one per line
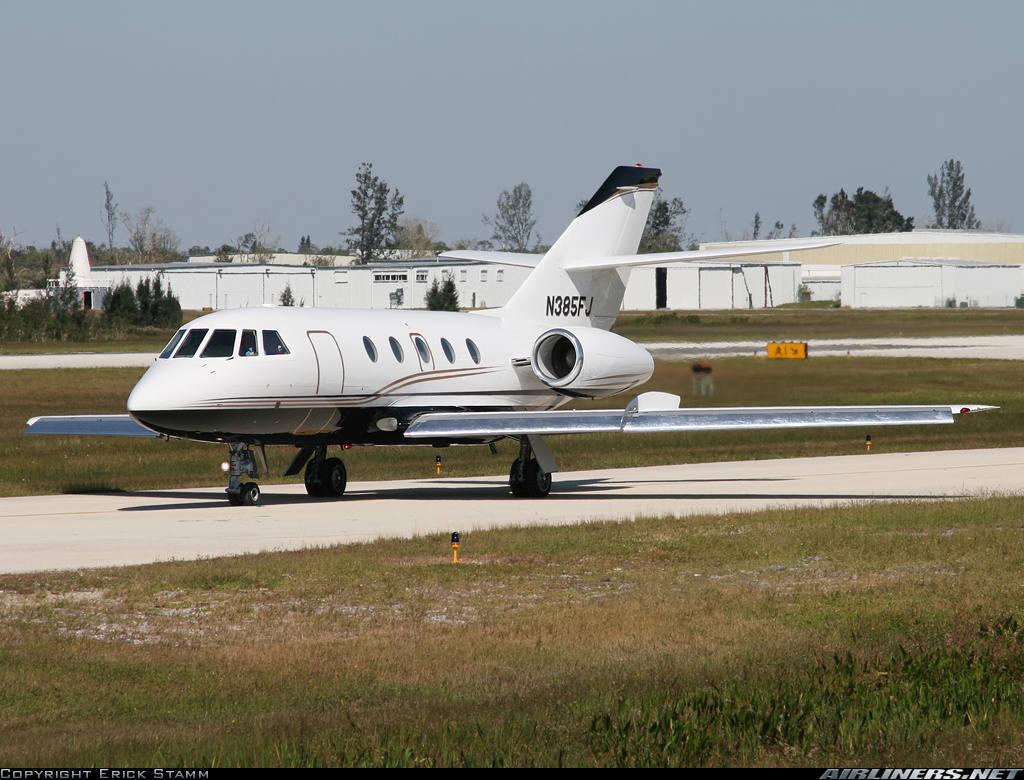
(653, 415)
(89, 425)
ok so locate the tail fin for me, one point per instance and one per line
(611, 224)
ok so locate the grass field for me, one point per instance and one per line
(857, 636)
(801, 324)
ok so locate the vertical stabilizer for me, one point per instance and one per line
(610, 225)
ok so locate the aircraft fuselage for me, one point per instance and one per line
(281, 375)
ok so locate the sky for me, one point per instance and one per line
(223, 115)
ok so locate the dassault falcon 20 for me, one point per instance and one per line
(315, 378)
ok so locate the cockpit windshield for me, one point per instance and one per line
(175, 339)
(192, 343)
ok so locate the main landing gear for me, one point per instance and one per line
(528, 479)
(325, 477)
(242, 463)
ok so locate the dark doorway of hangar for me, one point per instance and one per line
(661, 288)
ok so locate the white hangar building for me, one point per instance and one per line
(394, 284)
(922, 268)
(930, 283)
(737, 284)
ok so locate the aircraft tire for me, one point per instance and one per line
(250, 494)
(515, 484)
(333, 478)
(235, 499)
(538, 482)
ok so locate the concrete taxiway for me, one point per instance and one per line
(80, 531)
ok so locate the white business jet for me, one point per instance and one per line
(315, 378)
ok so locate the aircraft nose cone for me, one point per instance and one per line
(151, 393)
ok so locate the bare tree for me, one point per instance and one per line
(7, 246)
(110, 215)
(773, 234)
(148, 237)
(418, 237)
(257, 246)
(514, 221)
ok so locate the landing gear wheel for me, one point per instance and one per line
(516, 483)
(313, 484)
(538, 482)
(333, 478)
(249, 494)
(241, 464)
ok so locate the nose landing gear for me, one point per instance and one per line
(242, 463)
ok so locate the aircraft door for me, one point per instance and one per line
(330, 366)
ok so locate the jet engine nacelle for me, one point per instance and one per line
(589, 362)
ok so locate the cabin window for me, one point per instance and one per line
(221, 344)
(473, 351)
(191, 344)
(273, 344)
(371, 350)
(397, 349)
(175, 339)
(421, 347)
(247, 346)
(448, 351)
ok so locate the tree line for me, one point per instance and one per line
(382, 231)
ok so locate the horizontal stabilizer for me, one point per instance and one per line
(634, 419)
(661, 258)
(89, 425)
(524, 259)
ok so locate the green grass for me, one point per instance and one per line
(802, 323)
(850, 636)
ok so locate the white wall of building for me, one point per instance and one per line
(911, 283)
(391, 285)
(693, 285)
